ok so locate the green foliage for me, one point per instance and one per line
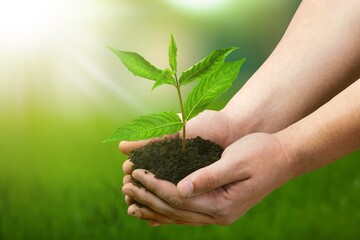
(205, 67)
(211, 87)
(149, 126)
(140, 67)
(166, 78)
(172, 54)
(215, 77)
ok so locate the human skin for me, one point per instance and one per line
(318, 57)
(252, 167)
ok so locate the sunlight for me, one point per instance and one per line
(26, 24)
(51, 49)
(96, 75)
(199, 5)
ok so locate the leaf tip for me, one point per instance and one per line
(109, 138)
(172, 39)
(241, 61)
(118, 53)
(232, 49)
(111, 49)
(154, 86)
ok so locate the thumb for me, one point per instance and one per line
(218, 174)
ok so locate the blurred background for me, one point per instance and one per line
(62, 92)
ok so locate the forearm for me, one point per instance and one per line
(318, 56)
(326, 135)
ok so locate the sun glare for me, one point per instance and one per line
(199, 5)
(24, 24)
(52, 48)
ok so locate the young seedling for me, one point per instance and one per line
(214, 78)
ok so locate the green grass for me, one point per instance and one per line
(58, 181)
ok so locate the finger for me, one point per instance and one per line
(129, 201)
(127, 147)
(146, 213)
(224, 171)
(155, 218)
(153, 223)
(191, 223)
(214, 203)
(127, 167)
(152, 201)
(126, 179)
(168, 192)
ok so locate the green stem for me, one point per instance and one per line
(182, 114)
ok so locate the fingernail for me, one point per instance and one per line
(186, 188)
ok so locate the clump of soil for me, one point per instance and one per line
(167, 161)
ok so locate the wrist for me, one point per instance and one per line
(246, 117)
(255, 109)
(238, 124)
(287, 145)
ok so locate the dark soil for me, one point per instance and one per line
(167, 161)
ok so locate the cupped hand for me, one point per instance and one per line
(212, 125)
(248, 170)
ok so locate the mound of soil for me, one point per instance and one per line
(167, 161)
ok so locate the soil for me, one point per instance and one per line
(167, 161)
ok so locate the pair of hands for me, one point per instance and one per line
(249, 169)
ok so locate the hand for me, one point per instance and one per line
(248, 170)
(212, 125)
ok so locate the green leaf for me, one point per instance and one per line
(210, 88)
(149, 126)
(166, 78)
(137, 64)
(172, 54)
(206, 66)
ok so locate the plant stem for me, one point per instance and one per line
(182, 115)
